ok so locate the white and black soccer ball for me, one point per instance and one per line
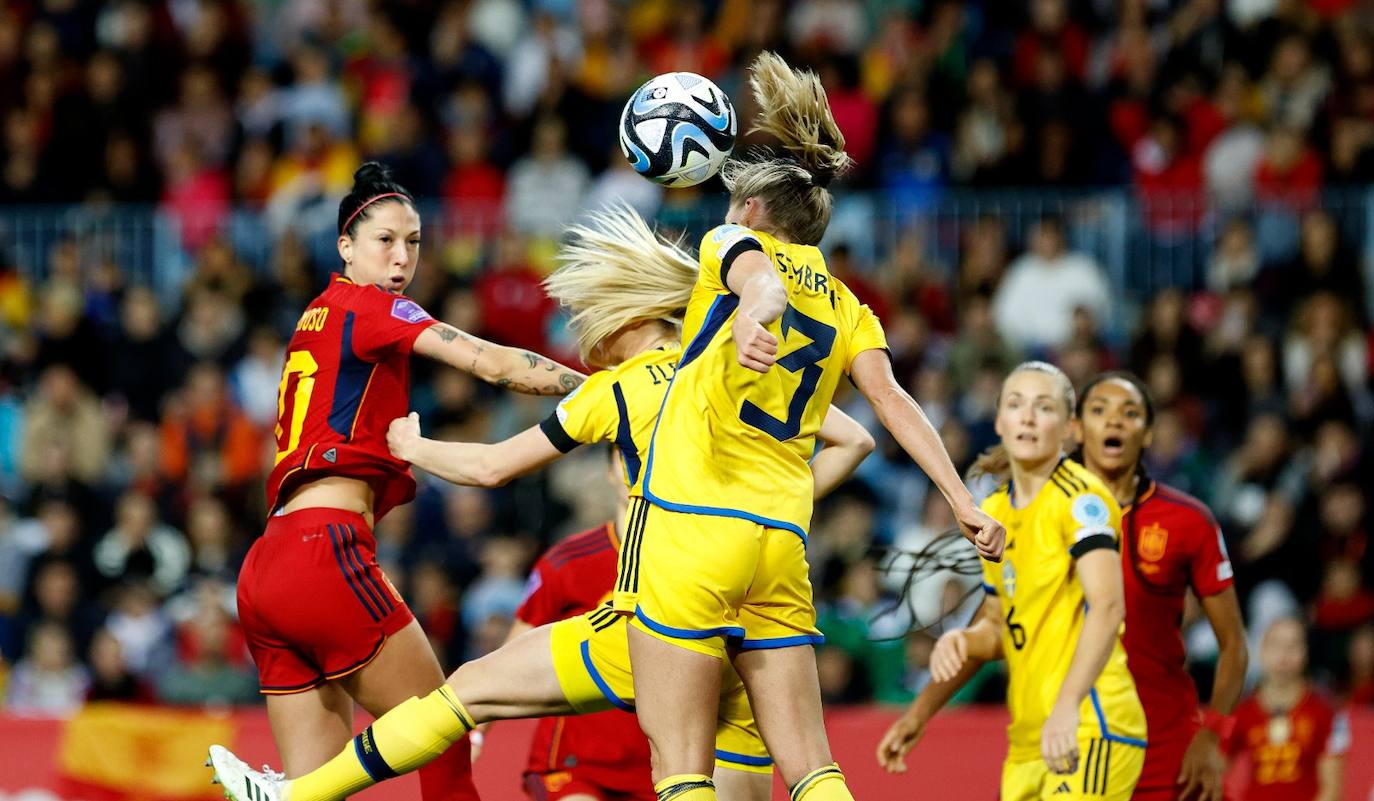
(677, 129)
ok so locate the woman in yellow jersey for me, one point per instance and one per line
(626, 289)
(1053, 610)
(717, 568)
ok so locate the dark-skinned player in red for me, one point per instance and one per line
(325, 627)
(1170, 545)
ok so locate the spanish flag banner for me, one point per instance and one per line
(142, 753)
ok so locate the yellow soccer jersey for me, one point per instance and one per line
(1042, 603)
(617, 405)
(733, 442)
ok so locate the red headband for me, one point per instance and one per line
(369, 202)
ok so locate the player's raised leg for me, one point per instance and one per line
(406, 669)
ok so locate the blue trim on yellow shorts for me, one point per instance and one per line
(766, 643)
(600, 682)
(736, 632)
(1102, 724)
(744, 759)
(694, 348)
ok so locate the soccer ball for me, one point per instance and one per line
(677, 129)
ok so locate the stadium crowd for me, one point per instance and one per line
(134, 435)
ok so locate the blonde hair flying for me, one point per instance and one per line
(794, 110)
(614, 271)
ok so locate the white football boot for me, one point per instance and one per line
(242, 783)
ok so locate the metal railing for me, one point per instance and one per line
(1143, 243)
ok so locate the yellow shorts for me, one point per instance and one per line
(1106, 770)
(707, 583)
(591, 656)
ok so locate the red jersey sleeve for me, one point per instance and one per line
(543, 603)
(387, 325)
(1210, 569)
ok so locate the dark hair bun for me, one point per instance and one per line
(371, 176)
(370, 181)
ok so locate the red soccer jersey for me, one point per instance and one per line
(346, 377)
(1284, 747)
(1170, 543)
(573, 577)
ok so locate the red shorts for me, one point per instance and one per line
(565, 783)
(313, 601)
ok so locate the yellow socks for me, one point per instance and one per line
(412, 734)
(686, 787)
(821, 784)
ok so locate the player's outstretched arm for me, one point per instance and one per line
(472, 464)
(844, 444)
(762, 299)
(508, 368)
(902, 417)
(1099, 571)
(958, 655)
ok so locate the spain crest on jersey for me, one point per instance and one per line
(1153, 540)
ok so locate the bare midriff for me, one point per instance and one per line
(333, 492)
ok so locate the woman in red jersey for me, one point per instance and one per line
(1170, 544)
(325, 627)
(1294, 738)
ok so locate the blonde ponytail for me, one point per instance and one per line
(793, 109)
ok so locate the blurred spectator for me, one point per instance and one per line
(1289, 173)
(1322, 264)
(206, 673)
(66, 336)
(536, 60)
(474, 189)
(213, 327)
(142, 358)
(1296, 85)
(1235, 261)
(546, 187)
(215, 549)
(111, 679)
(913, 161)
(142, 548)
(49, 681)
(1035, 302)
(205, 438)
(1360, 668)
(253, 382)
(314, 103)
(201, 123)
(1322, 327)
(515, 308)
(142, 629)
(1167, 332)
(64, 417)
(497, 593)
